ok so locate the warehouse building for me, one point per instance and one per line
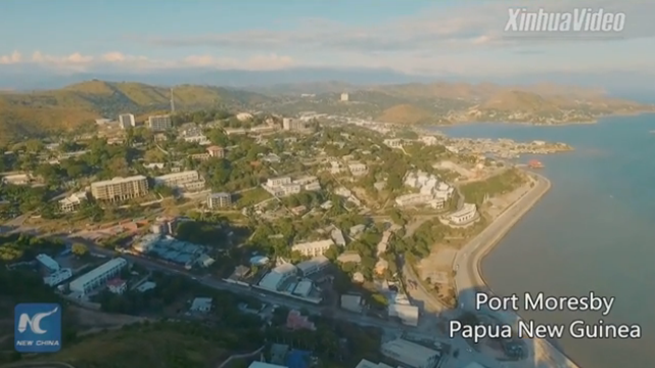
(98, 276)
(410, 354)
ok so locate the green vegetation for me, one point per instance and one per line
(18, 247)
(497, 185)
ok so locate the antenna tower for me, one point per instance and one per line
(172, 101)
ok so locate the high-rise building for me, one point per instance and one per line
(126, 121)
(159, 122)
(118, 189)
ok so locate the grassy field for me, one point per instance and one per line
(158, 345)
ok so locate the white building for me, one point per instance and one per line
(337, 235)
(159, 122)
(368, 364)
(410, 354)
(313, 249)
(98, 276)
(314, 265)
(185, 180)
(244, 116)
(48, 262)
(357, 169)
(58, 277)
(284, 186)
(345, 97)
(349, 257)
(18, 179)
(72, 202)
(303, 288)
(466, 214)
(408, 314)
(428, 140)
(202, 305)
(413, 199)
(117, 286)
(274, 279)
(393, 143)
(126, 121)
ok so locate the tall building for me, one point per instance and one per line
(126, 121)
(219, 200)
(159, 122)
(118, 189)
(344, 97)
(292, 124)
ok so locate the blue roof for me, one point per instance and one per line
(298, 359)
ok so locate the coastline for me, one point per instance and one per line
(474, 252)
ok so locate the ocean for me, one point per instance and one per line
(594, 231)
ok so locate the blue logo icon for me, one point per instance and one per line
(37, 327)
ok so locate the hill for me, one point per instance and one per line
(42, 112)
(405, 114)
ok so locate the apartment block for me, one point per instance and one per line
(98, 276)
(284, 186)
(185, 180)
(159, 122)
(120, 189)
(313, 249)
(219, 200)
(126, 121)
(216, 151)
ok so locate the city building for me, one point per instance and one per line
(349, 257)
(408, 314)
(465, 215)
(185, 180)
(291, 124)
(126, 121)
(119, 189)
(47, 262)
(368, 364)
(274, 279)
(345, 97)
(216, 151)
(159, 122)
(98, 276)
(72, 202)
(219, 200)
(313, 249)
(357, 169)
(257, 364)
(117, 286)
(58, 277)
(337, 235)
(393, 143)
(352, 302)
(410, 354)
(314, 265)
(284, 186)
(428, 140)
(303, 288)
(201, 305)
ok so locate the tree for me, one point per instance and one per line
(79, 249)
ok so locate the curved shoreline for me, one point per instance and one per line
(483, 248)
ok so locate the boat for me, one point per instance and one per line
(534, 164)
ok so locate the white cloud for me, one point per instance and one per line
(458, 27)
(81, 62)
(13, 58)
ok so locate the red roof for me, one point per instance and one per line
(116, 282)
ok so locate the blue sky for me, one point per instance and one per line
(415, 37)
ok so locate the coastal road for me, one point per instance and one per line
(469, 280)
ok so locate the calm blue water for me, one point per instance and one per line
(595, 230)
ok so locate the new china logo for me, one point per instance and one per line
(37, 328)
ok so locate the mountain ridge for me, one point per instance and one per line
(37, 113)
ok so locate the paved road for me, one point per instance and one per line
(469, 279)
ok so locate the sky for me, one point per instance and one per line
(437, 37)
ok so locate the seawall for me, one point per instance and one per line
(486, 248)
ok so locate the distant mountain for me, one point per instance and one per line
(40, 112)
